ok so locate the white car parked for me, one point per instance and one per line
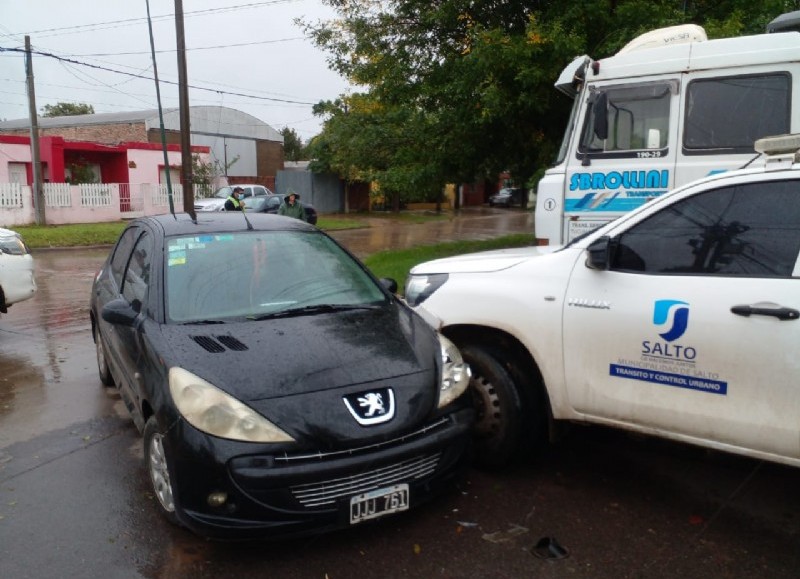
(16, 270)
(217, 201)
(679, 319)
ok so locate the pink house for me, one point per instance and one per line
(128, 178)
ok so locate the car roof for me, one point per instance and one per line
(243, 185)
(225, 222)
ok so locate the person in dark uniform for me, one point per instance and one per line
(232, 203)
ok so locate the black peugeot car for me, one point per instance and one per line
(280, 388)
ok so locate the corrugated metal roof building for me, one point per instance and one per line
(249, 148)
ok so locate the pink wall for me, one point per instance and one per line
(148, 164)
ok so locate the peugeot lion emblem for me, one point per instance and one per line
(371, 407)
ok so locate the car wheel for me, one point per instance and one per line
(498, 425)
(102, 360)
(155, 457)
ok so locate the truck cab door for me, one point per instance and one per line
(625, 152)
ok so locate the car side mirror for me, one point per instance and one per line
(119, 311)
(599, 253)
(389, 284)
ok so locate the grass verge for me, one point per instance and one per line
(398, 262)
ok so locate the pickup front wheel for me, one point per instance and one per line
(499, 409)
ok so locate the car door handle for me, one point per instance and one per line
(761, 310)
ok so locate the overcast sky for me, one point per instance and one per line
(250, 54)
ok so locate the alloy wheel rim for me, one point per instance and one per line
(159, 473)
(101, 355)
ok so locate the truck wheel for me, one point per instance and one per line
(498, 426)
(102, 361)
(155, 458)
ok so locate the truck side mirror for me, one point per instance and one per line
(599, 253)
(600, 116)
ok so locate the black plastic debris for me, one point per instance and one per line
(549, 548)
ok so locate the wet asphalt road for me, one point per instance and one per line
(75, 500)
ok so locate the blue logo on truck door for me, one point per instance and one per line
(615, 190)
(668, 363)
(680, 317)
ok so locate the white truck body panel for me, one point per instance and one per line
(654, 142)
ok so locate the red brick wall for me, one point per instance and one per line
(106, 134)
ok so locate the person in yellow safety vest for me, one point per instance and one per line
(232, 203)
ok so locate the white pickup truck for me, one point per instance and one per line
(678, 319)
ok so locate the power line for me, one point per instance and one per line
(107, 69)
(130, 21)
(189, 49)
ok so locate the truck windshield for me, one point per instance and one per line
(562, 150)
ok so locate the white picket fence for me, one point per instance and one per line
(89, 202)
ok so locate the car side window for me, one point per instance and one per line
(632, 118)
(137, 276)
(751, 230)
(122, 252)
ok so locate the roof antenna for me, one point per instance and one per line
(160, 113)
(249, 225)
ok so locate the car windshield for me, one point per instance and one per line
(259, 274)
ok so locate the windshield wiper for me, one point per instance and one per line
(202, 322)
(315, 309)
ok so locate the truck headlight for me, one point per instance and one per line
(455, 373)
(211, 410)
(421, 287)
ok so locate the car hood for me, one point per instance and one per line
(284, 357)
(482, 262)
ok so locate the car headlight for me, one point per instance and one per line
(211, 410)
(455, 373)
(421, 287)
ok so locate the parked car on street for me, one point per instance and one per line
(17, 282)
(680, 319)
(508, 197)
(217, 201)
(271, 204)
(280, 388)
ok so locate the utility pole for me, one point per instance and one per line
(38, 190)
(183, 100)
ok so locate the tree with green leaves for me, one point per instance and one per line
(293, 148)
(63, 109)
(459, 90)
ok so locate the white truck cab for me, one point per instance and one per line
(668, 108)
(680, 319)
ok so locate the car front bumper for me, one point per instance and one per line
(285, 495)
(16, 279)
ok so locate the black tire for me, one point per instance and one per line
(156, 462)
(498, 427)
(102, 360)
